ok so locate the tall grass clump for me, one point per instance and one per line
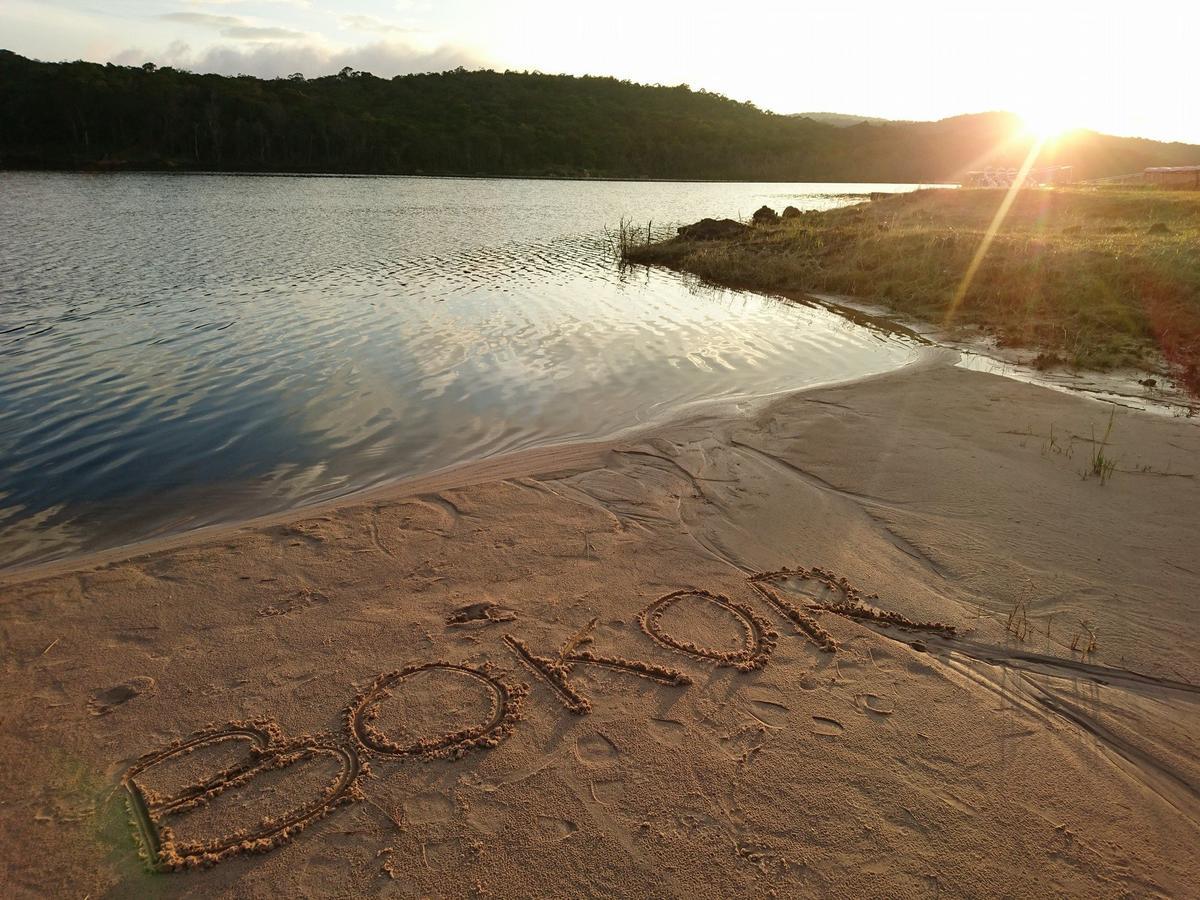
(629, 239)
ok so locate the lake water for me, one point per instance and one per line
(178, 351)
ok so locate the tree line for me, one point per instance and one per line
(81, 115)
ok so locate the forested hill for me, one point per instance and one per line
(87, 116)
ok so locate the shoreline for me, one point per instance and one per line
(946, 498)
(606, 178)
(465, 473)
(1125, 387)
(526, 461)
(1088, 279)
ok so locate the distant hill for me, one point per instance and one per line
(83, 115)
(841, 120)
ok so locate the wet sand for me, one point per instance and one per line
(585, 670)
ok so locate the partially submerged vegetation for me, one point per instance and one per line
(1095, 278)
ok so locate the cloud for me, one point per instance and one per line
(300, 4)
(370, 23)
(202, 19)
(178, 54)
(273, 60)
(234, 27)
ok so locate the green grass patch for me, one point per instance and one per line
(1095, 278)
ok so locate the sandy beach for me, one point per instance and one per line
(556, 674)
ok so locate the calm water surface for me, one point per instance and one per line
(177, 351)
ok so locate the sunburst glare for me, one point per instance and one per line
(1046, 123)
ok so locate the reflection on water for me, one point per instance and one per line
(182, 350)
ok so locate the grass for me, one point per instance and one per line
(1052, 444)
(1092, 277)
(1020, 627)
(1086, 645)
(628, 238)
(1018, 620)
(1101, 465)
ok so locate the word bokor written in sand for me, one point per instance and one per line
(158, 812)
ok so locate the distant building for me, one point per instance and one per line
(1005, 177)
(1183, 177)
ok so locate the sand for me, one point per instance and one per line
(610, 670)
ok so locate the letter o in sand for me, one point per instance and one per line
(506, 700)
(759, 638)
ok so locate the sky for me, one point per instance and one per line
(1112, 67)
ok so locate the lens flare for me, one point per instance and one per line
(1044, 124)
(989, 236)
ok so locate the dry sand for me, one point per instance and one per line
(718, 749)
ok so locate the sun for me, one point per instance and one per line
(1045, 124)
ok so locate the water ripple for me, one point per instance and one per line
(182, 350)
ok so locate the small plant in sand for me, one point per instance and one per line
(1018, 619)
(1101, 465)
(1085, 642)
(1054, 445)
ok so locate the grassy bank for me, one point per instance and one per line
(1094, 278)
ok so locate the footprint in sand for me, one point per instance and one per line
(486, 814)
(426, 809)
(669, 731)
(808, 682)
(768, 710)
(827, 727)
(300, 600)
(105, 701)
(596, 750)
(305, 532)
(873, 706)
(742, 745)
(600, 756)
(558, 829)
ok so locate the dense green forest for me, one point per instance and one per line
(83, 115)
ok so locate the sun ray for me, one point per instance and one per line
(990, 234)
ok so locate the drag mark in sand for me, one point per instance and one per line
(484, 613)
(850, 602)
(797, 616)
(759, 642)
(507, 699)
(269, 752)
(556, 672)
(652, 671)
